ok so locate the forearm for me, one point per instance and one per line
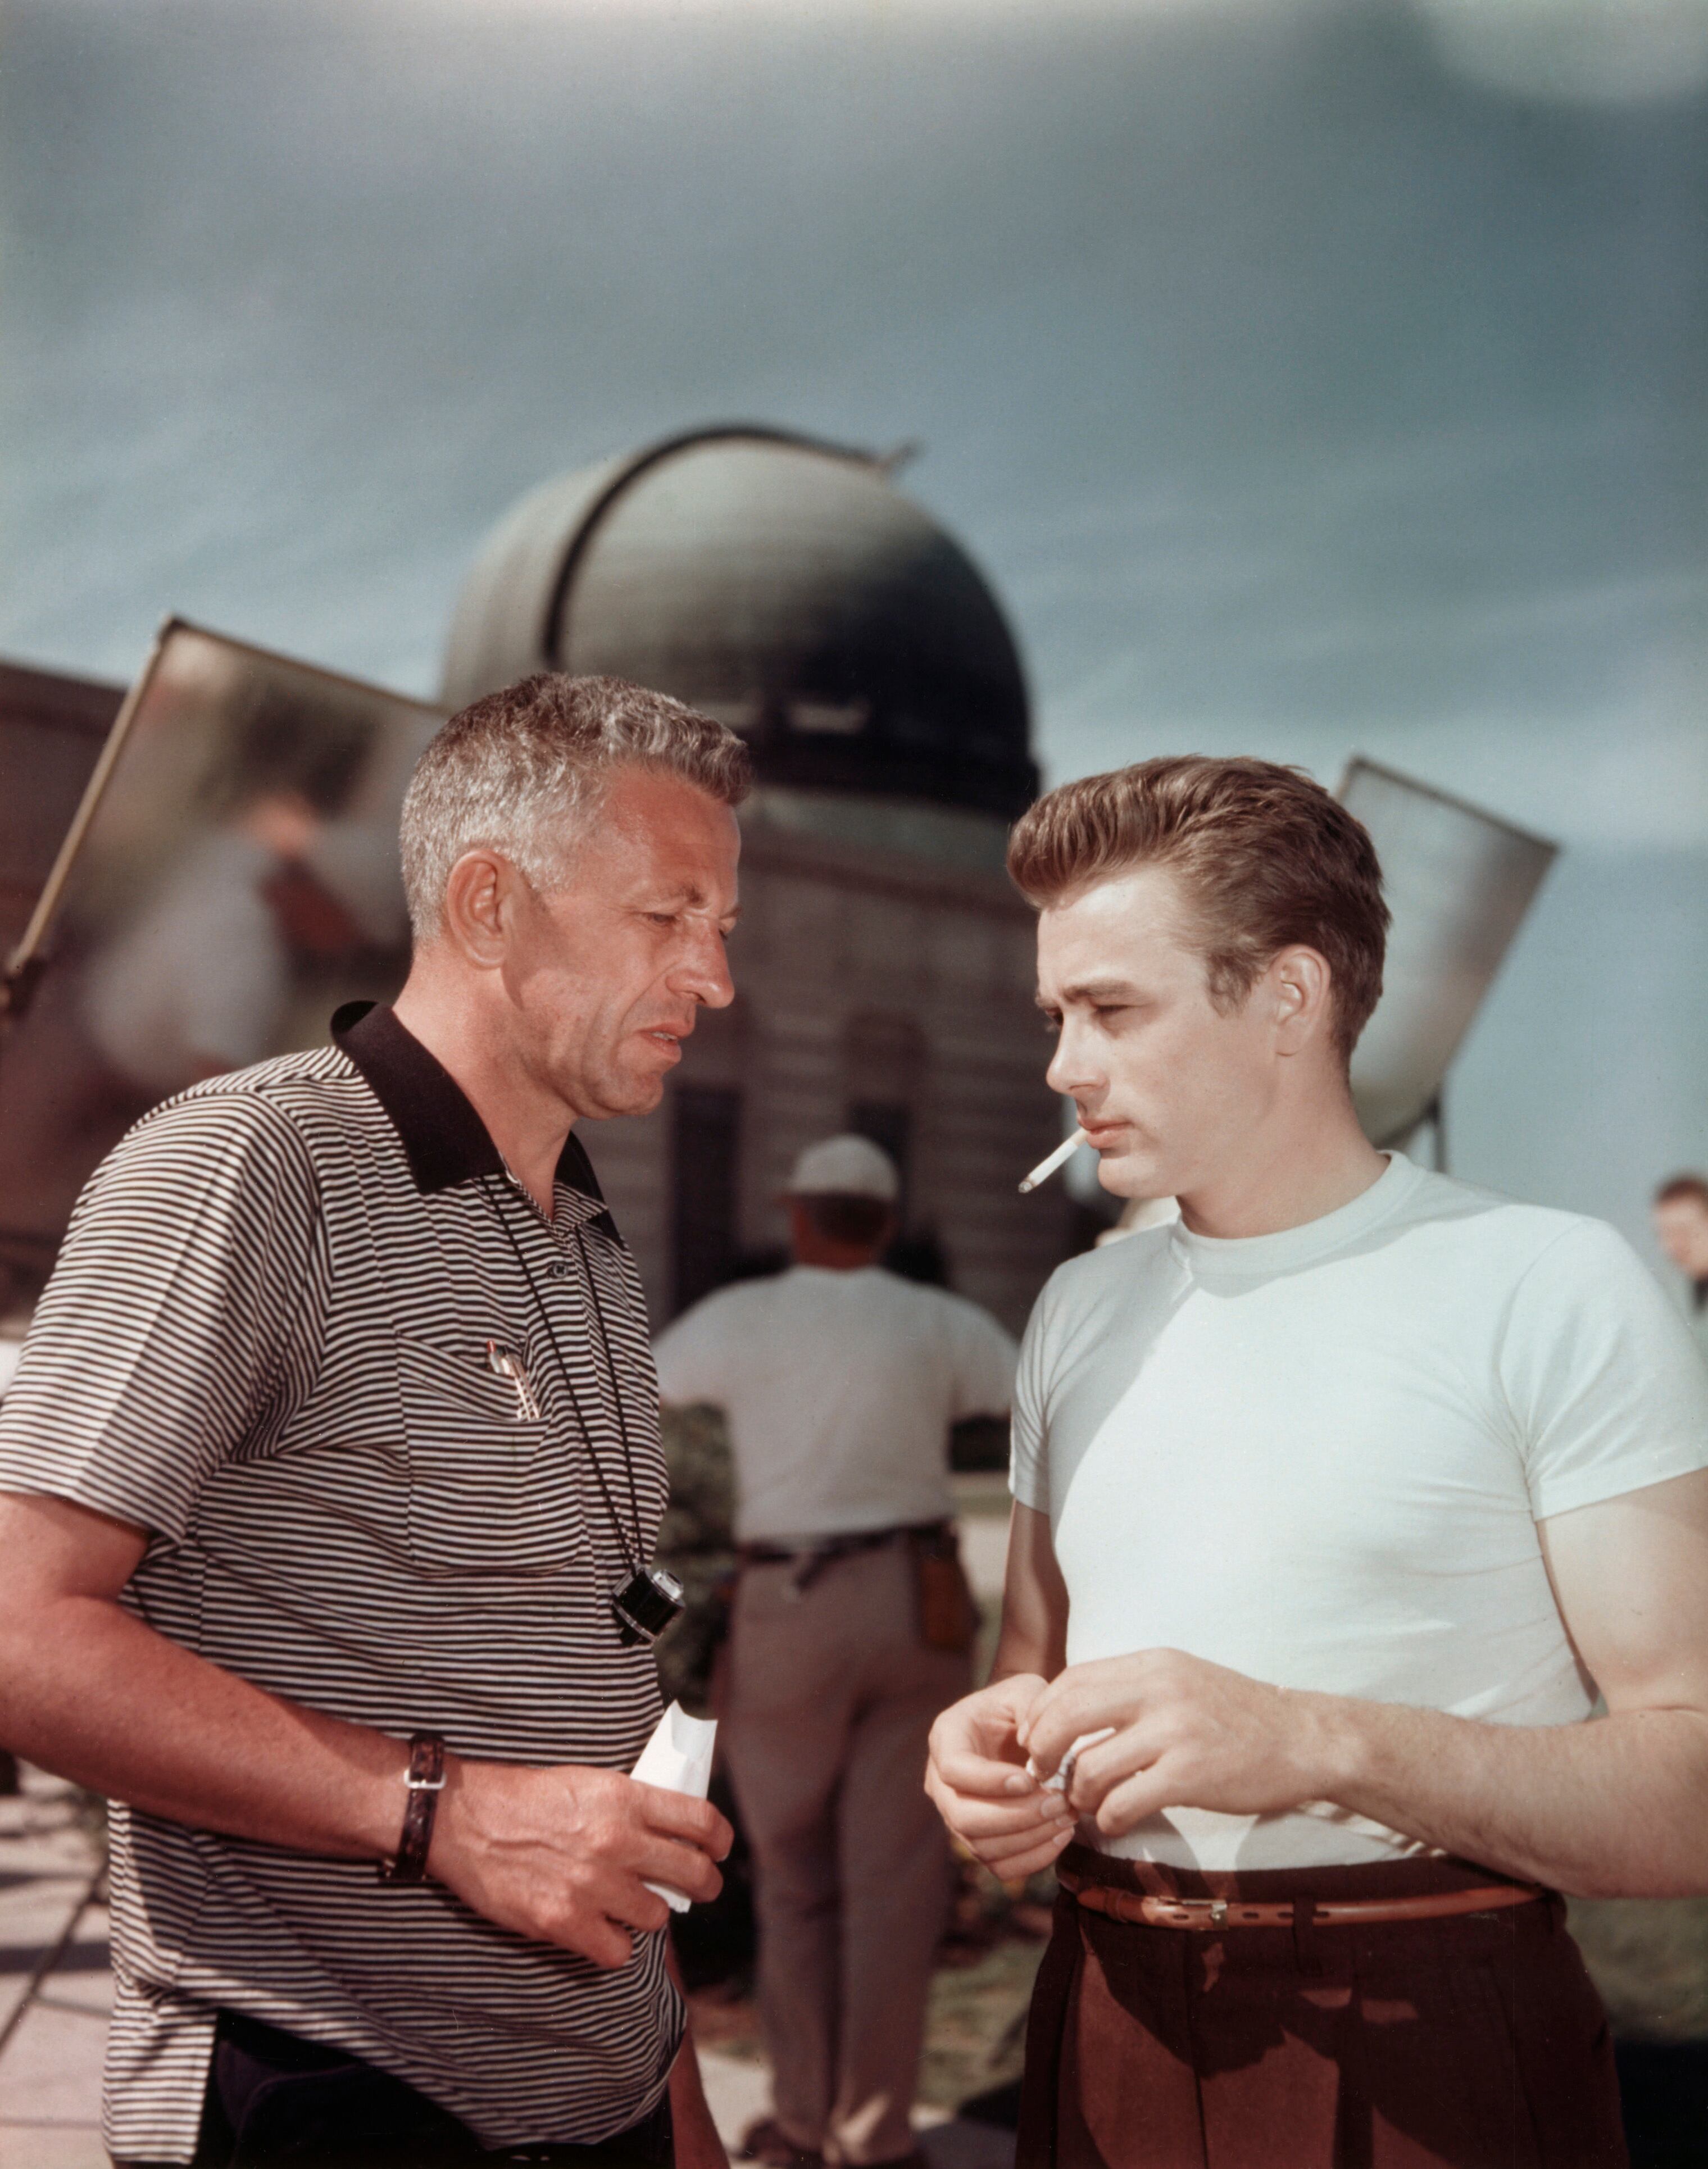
(1607, 1809)
(1033, 1638)
(561, 1855)
(1018, 1652)
(89, 1691)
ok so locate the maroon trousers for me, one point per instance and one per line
(1470, 2042)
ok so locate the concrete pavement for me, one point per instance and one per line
(56, 1988)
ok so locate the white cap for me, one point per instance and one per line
(845, 1167)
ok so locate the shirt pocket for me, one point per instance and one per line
(477, 1453)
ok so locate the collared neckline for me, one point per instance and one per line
(443, 1139)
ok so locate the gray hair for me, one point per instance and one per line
(522, 772)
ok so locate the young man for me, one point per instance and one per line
(839, 1381)
(1335, 1505)
(333, 1448)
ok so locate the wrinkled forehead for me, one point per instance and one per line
(669, 832)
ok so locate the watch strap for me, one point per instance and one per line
(424, 1779)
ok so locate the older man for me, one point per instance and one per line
(331, 1473)
(1335, 1506)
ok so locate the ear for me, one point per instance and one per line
(1299, 986)
(482, 893)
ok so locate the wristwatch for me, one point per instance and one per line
(425, 1780)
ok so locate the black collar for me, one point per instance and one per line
(443, 1139)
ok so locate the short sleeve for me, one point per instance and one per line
(184, 1320)
(689, 1357)
(1605, 1384)
(1028, 1465)
(984, 1357)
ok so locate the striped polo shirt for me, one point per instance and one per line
(266, 1343)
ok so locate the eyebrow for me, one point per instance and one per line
(695, 897)
(1091, 990)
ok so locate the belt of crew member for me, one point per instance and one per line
(810, 1560)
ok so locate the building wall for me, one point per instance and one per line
(52, 727)
(867, 978)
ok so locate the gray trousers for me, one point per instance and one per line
(830, 1699)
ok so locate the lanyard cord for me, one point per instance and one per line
(587, 1275)
(632, 1560)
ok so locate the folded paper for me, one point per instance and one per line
(678, 1759)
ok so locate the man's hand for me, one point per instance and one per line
(1609, 1809)
(1187, 1734)
(556, 1854)
(563, 1855)
(978, 1780)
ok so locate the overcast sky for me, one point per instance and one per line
(1307, 379)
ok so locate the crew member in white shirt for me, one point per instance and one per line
(1335, 1505)
(851, 1629)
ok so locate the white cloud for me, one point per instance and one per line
(1576, 51)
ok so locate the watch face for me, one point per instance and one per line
(646, 1604)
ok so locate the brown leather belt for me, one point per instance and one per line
(1144, 1911)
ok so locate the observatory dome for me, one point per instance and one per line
(785, 586)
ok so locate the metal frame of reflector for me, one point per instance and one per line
(1459, 882)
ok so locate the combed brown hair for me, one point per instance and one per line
(1683, 1185)
(522, 770)
(1264, 856)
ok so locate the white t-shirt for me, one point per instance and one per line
(839, 1388)
(1319, 1456)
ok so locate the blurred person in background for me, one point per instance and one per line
(196, 983)
(1681, 1225)
(852, 1627)
(1335, 1504)
(196, 980)
(329, 1479)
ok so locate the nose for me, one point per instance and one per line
(1072, 1072)
(704, 972)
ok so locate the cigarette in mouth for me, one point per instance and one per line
(1046, 1167)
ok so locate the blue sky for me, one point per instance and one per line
(1309, 379)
